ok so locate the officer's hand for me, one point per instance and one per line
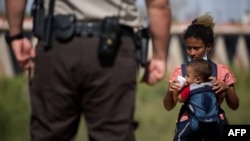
(24, 52)
(154, 71)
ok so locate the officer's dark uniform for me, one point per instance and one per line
(71, 77)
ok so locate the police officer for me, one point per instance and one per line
(89, 67)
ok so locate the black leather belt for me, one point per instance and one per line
(94, 28)
(87, 28)
(66, 26)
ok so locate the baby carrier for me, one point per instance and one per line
(202, 105)
(203, 109)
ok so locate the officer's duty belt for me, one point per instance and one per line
(85, 28)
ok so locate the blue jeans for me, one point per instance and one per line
(183, 131)
(205, 132)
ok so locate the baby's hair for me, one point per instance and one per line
(205, 20)
(201, 68)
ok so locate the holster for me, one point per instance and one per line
(141, 39)
(38, 14)
(64, 27)
(42, 28)
(110, 36)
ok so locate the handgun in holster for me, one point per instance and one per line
(38, 14)
(142, 37)
(42, 25)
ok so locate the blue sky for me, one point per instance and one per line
(222, 10)
(186, 10)
(2, 5)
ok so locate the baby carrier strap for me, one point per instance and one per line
(213, 66)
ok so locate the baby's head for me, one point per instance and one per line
(198, 70)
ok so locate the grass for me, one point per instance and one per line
(14, 109)
(155, 123)
(241, 115)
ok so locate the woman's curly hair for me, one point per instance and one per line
(201, 27)
(205, 20)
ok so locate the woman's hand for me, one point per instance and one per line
(174, 86)
(218, 86)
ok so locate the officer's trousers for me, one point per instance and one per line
(70, 80)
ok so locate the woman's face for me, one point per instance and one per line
(196, 48)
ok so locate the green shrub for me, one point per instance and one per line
(242, 114)
(14, 109)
